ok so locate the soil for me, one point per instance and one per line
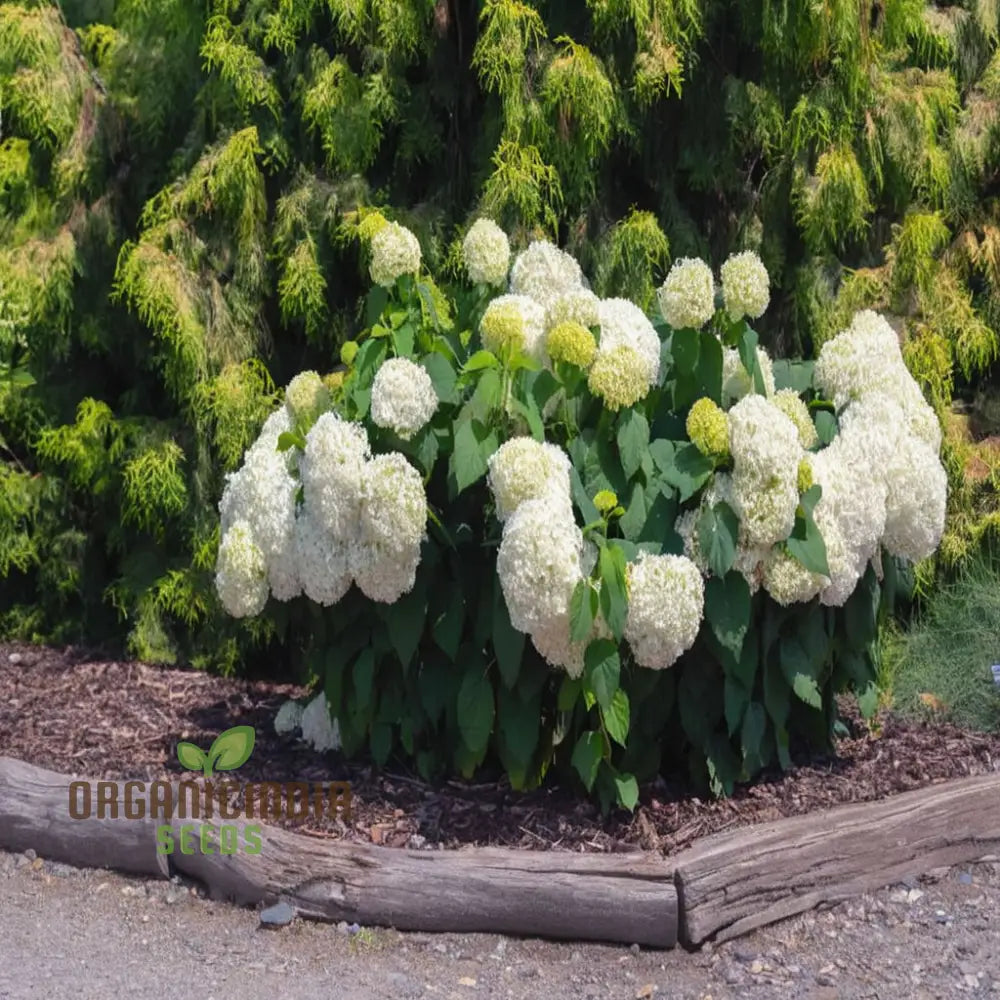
(107, 719)
(90, 935)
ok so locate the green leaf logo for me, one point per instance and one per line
(230, 750)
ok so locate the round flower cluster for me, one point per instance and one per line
(687, 295)
(306, 398)
(788, 581)
(572, 343)
(525, 469)
(262, 495)
(513, 323)
(403, 397)
(766, 451)
(241, 572)
(627, 363)
(665, 606)
(362, 520)
(708, 428)
(745, 286)
(486, 253)
(579, 305)
(395, 251)
(543, 272)
(790, 403)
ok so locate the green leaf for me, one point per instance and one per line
(532, 417)
(475, 710)
(363, 675)
(614, 598)
(616, 718)
(710, 367)
(689, 471)
(569, 693)
(602, 670)
(807, 690)
(436, 684)
(718, 534)
(405, 620)
(747, 346)
(480, 360)
(628, 791)
(826, 426)
(685, 346)
(403, 340)
(508, 643)
(447, 626)
(633, 440)
(581, 498)
(232, 748)
(727, 608)
(797, 375)
(544, 385)
(806, 543)
(583, 607)
(587, 756)
(191, 757)
(378, 298)
(518, 722)
(662, 453)
(442, 375)
(736, 698)
(474, 443)
(380, 742)
(754, 724)
(291, 439)
(633, 520)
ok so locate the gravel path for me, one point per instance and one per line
(68, 933)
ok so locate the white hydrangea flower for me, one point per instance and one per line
(384, 574)
(788, 581)
(793, 407)
(241, 572)
(916, 501)
(514, 322)
(580, 305)
(861, 359)
(393, 503)
(766, 451)
(736, 380)
(543, 272)
(306, 397)
(687, 295)
(554, 644)
(322, 561)
(850, 514)
(486, 253)
(745, 285)
(403, 397)
(666, 602)
(623, 323)
(539, 563)
(318, 729)
(525, 469)
(331, 468)
(395, 251)
(289, 718)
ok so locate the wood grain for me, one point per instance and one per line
(622, 898)
(731, 883)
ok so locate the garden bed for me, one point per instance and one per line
(65, 711)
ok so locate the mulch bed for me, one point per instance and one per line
(118, 720)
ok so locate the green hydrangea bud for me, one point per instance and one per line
(334, 380)
(805, 475)
(372, 223)
(605, 501)
(349, 352)
(502, 328)
(306, 398)
(573, 343)
(708, 428)
(620, 377)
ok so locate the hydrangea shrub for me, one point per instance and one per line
(541, 529)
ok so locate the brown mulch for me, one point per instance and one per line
(117, 720)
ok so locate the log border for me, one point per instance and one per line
(721, 887)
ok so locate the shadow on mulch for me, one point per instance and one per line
(117, 720)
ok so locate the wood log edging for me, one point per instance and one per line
(723, 886)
